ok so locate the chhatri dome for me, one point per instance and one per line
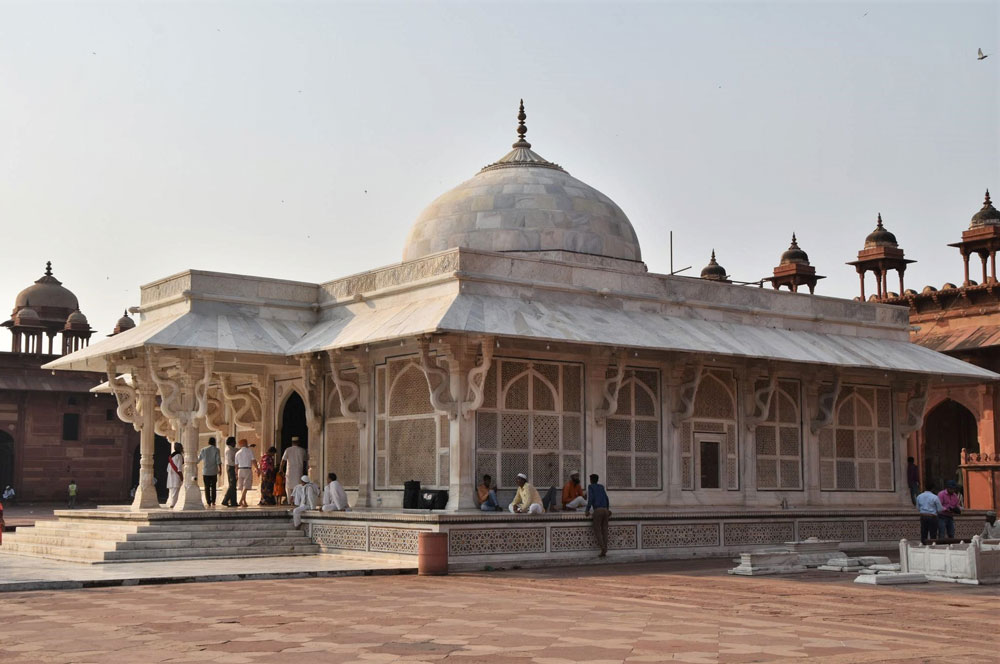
(988, 216)
(524, 203)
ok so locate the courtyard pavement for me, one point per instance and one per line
(685, 611)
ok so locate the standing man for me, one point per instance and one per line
(72, 493)
(526, 500)
(175, 478)
(305, 496)
(572, 493)
(598, 501)
(334, 496)
(244, 470)
(912, 479)
(212, 464)
(929, 506)
(951, 504)
(293, 464)
(230, 498)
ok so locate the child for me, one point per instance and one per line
(72, 494)
(279, 489)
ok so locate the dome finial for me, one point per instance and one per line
(879, 224)
(48, 268)
(795, 243)
(987, 201)
(522, 128)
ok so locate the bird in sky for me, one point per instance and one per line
(982, 56)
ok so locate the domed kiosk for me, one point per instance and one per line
(522, 335)
(525, 204)
(47, 308)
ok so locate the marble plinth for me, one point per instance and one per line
(814, 552)
(884, 579)
(756, 564)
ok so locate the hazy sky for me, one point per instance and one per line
(300, 140)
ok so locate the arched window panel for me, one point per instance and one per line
(411, 440)
(531, 422)
(856, 451)
(633, 434)
(779, 440)
(714, 412)
(342, 440)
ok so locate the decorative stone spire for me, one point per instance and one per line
(48, 264)
(522, 128)
(713, 270)
(879, 224)
(987, 216)
(987, 201)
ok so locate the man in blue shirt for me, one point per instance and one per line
(597, 500)
(929, 506)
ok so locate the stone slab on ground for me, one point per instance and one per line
(890, 567)
(756, 564)
(840, 568)
(19, 573)
(873, 560)
(890, 579)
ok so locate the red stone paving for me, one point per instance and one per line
(686, 611)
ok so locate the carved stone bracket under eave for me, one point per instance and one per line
(438, 382)
(348, 392)
(477, 379)
(245, 400)
(916, 403)
(686, 392)
(611, 388)
(126, 396)
(313, 371)
(760, 400)
(826, 406)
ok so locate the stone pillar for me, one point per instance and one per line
(861, 274)
(987, 421)
(182, 382)
(366, 435)
(965, 261)
(145, 493)
(810, 443)
(462, 444)
(595, 444)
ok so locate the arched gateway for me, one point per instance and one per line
(948, 429)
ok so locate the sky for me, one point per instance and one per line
(300, 140)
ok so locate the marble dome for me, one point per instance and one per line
(524, 203)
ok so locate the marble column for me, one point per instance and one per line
(366, 436)
(462, 448)
(145, 493)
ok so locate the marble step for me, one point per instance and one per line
(228, 542)
(62, 539)
(89, 524)
(216, 526)
(56, 529)
(211, 552)
(240, 540)
(55, 552)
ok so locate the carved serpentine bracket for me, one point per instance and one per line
(826, 406)
(215, 416)
(441, 399)
(349, 392)
(760, 404)
(172, 391)
(916, 402)
(686, 393)
(477, 379)
(611, 388)
(126, 396)
(246, 401)
(312, 384)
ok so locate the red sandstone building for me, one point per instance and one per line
(962, 321)
(52, 428)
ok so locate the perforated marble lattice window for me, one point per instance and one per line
(411, 440)
(633, 433)
(714, 412)
(342, 439)
(856, 450)
(531, 422)
(779, 440)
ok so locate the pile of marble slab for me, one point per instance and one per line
(792, 558)
(873, 570)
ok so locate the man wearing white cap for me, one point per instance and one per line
(526, 500)
(305, 497)
(293, 462)
(991, 530)
(573, 497)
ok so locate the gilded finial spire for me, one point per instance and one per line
(522, 129)
(48, 268)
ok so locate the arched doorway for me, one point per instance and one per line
(293, 422)
(6, 461)
(948, 428)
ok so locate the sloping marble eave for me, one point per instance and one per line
(192, 331)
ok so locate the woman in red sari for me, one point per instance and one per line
(266, 469)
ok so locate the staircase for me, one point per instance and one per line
(103, 540)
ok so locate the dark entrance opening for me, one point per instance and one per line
(293, 423)
(947, 429)
(6, 461)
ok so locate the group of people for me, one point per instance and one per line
(938, 511)
(527, 500)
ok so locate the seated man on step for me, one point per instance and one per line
(305, 496)
(526, 500)
(334, 496)
(573, 497)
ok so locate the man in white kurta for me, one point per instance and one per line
(293, 462)
(244, 471)
(175, 476)
(305, 496)
(334, 496)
